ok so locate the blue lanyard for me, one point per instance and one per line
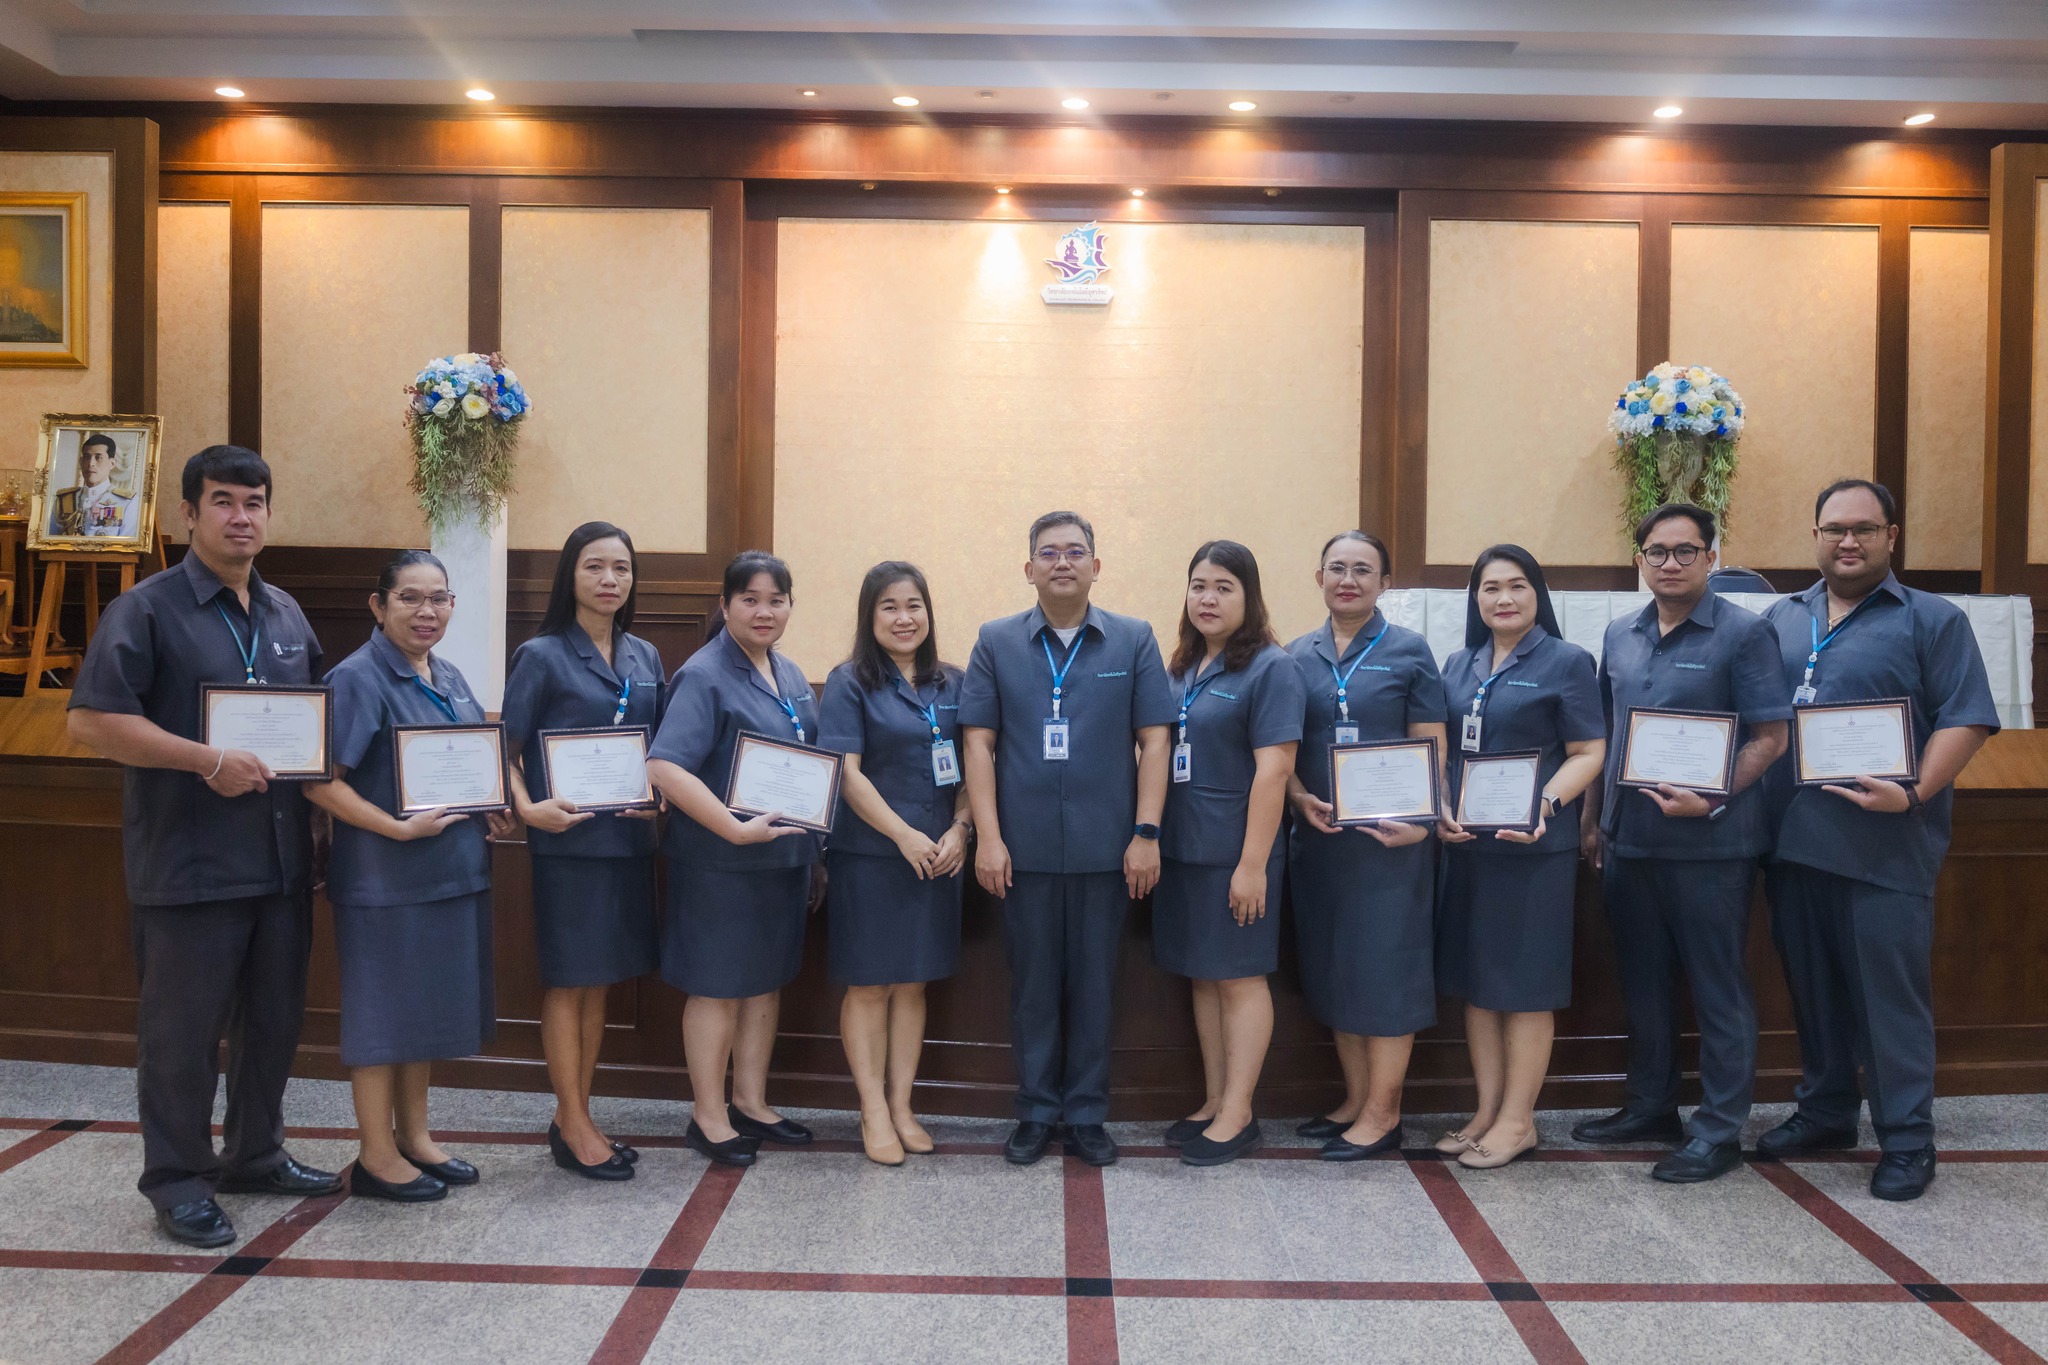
(789, 709)
(625, 695)
(1188, 693)
(447, 707)
(930, 713)
(1059, 671)
(248, 651)
(1479, 697)
(1818, 643)
(1344, 678)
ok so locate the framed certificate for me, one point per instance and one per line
(1391, 779)
(1840, 741)
(798, 782)
(1500, 791)
(1690, 749)
(459, 767)
(290, 728)
(598, 769)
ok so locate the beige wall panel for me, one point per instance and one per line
(1789, 314)
(928, 405)
(1945, 398)
(1532, 332)
(585, 290)
(2037, 485)
(356, 298)
(26, 394)
(191, 342)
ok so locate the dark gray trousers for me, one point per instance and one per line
(1672, 916)
(1858, 961)
(1063, 931)
(236, 967)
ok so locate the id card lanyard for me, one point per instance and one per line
(248, 651)
(789, 709)
(1347, 733)
(625, 695)
(1056, 724)
(1183, 752)
(1804, 694)
(1468, 739)
(945, 761)
(447, 707)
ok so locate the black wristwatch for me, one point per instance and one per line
(1144, 831)
(1914, 805)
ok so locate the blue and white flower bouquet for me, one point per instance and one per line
(1675, 432)
(463, 414)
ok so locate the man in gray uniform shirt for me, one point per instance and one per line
(1064, 714)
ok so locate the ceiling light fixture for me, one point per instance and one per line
(234, 92)
(1342, 99)
(984, 94)
(1243, 106)
(1002, 189)
(1667, 111)
(1073, 102)
(480, 95)
(810, 94)
(907, 101)
(1137, 193)
(1917, 119)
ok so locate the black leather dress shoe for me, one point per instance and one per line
(1178, 1134)
(421, 1189)
(197, 1223)
(1027, 1142)
(286, 1177)
(1623, 1126)
(1800, 1134)
(613, 1167)
(1698, 1161)
(1093, 1144)
(1320, 1129)
(1903, 1175)
(734, 1151)
(453, 1171)
(1202, 1150)
(786, 1132)
(1337, 1149)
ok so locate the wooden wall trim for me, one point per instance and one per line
(1893, 360)
(486, 266)
(2009, 384)
(245, 313)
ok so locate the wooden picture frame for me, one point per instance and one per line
(45, 303)
(65, 512)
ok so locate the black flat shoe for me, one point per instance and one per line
(196, 1223)
(1622, 1126)
(1800, 1134)
(1202, 1150)
(734, 1151)
(1337, 1149)
(613, 1167)
(286, 1177)
(453, 1171)
(1177, 1134)
(783, 1132)
(629, 1155)
(1321, 1129)
(1903, 1175)
(1093, 1144)
(1698, 1161)
(1027, 1142)
(421, 1189)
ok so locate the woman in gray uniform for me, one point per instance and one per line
(593, 872)
(1504, 920)
(738, 890)
(1363, 897)
(1216, 913)
(411, 894)
(897, 847)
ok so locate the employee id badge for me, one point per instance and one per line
(1803, 695)
(1468, 737)
(1347, 734)
(945, 763)
(1056, 739)
(1183, 762)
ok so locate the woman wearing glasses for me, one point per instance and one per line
(411, 893)
(1362, 896)
(593, 872)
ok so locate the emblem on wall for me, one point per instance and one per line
(1081, 261)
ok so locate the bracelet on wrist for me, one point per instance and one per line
(218, 764)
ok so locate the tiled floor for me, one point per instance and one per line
(817, 1254)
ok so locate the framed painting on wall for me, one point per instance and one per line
(43, 293)
(95, 485)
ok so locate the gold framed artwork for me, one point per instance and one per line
(95, 484)
(43, 295)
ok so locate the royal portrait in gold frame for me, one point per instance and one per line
(44, 300)
(95, 485)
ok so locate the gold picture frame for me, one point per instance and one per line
(62, 515)
(45, 302)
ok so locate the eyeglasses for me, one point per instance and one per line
(1361, 572)
(413, 601)
(1660, 555)
(1072, 554)
(1835, 535)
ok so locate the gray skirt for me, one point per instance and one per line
(1363, 916)
(888, 925)
(415, 980)
(1504, 929)
(593, 919)
(732, 935)
(1195, 935)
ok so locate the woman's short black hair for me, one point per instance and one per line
(1251, 635)
(739, 573)
(1378, 545)
(238, 466)
(1477, 632)
(404, 559)
(561, 610)
(871, 663)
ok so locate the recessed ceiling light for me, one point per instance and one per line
(984, 94)
(1002, 189)
(1342, 99)
(1162, 94)
(234, 92)
(1667, 111)
(1916, 120)
(1137, 193)
(480, 95)
(1272, 193)
(1243, 106)
(810, 94)
(1073, 102)
(907, 101)
(867, 184)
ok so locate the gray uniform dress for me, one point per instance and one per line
(735, 925)
(1225, 715)
(1851, 890)
(412, 920)
(220, 887)
(1363, 912)
(1677, 889)
(888, 924)
(593, 884)
(1504, 919)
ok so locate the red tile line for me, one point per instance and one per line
(640, 1318)
(33, 1145)
(1091, 1319)
(1539, 1328)
(1967, 1318)
(790, 1281)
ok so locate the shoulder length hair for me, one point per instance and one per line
(1252, 635)
(561, 610)
(871, 663)
(739, 575)
(1477, 632)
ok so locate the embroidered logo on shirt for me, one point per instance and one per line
(1701, 667)
(283, 650)
(1514, 682)
(1120, 673)
(1376, 668)
(949, 706)
(1219, 692)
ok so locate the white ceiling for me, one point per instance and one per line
(1975, 63)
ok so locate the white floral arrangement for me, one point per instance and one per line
(463, 414)
(1675, 432)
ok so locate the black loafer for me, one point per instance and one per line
(1698, 1161)
(1320, 1129)
(734, 1151)
(1179, 1134)
(1903, 1175)
(286, 1177)
(785, 1132)
(421, 1189)
(613, 1167)
(1800, 1134)
(1202, 1150)
(1093, 1144)
(453, 1171)
(196, 1223)
(1338, 1149)
(1623, 1126)
(1027, 1142)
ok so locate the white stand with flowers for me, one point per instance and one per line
(475, 642)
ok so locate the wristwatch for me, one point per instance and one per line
(1146, 831)
(1914, 805)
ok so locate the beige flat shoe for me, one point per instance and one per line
(1483, 1158)
(914, 1138)
(1454, 1143)
(886, 1153)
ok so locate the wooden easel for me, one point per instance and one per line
(46, 648)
